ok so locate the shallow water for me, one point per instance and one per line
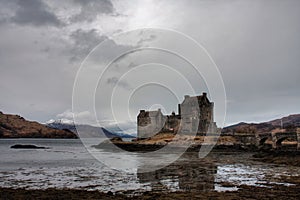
(67, 164)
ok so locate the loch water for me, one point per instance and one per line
(66, 163)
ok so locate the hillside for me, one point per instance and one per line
(289, 124)
(291, 120)
(14, 126)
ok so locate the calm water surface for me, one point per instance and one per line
(67, 164)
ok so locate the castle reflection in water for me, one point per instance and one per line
(192, 175)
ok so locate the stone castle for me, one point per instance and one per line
(195, 116)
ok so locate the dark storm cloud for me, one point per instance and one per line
(83, 42)
(34, 12)
(89, 9)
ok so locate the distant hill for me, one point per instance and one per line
(291, 120)
(15, 126)
(89, 130)
(289, 124)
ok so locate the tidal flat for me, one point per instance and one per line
(67, 170)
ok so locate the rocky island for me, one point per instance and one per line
(194, 126)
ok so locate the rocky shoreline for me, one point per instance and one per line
(245, 192)
(269, 156)
(142, 148)
(279, 157)
(227, 143)
(284, 156)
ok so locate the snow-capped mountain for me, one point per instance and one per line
(63, 124)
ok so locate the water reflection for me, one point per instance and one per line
(189, 173)
(219, 172)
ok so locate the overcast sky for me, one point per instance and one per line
(254, 43)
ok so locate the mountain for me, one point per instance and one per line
(291, 120)
(15, 126)
(88, 130)
(289, 124)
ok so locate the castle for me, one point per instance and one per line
(195, 116)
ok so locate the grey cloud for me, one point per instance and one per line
(108, 48)
(7, 10)
(83, 42)
(115, 81)
(255, 44)
(34, 12)
(148, 39)
(89, 9)
(131, 65)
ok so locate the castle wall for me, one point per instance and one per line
(189, 115)
(150, 123)
(195, 117)
(172, 123)
(197, 114)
